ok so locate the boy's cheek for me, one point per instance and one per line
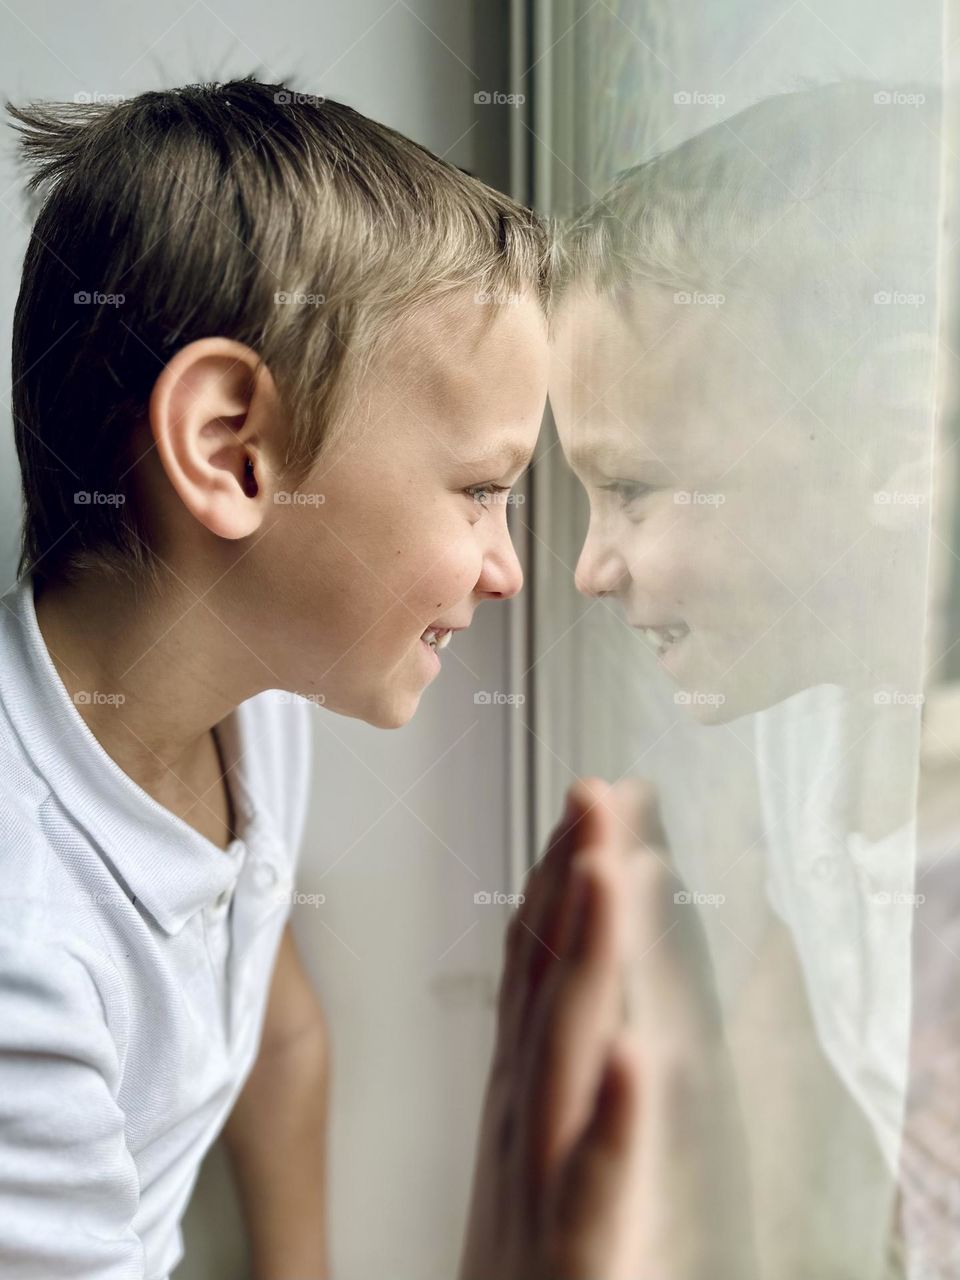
(438, 568)
(656, 568)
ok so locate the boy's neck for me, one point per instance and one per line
(164, 658)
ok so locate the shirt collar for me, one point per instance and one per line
(169, 867)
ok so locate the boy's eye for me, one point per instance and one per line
(627, 490)
(482, 493)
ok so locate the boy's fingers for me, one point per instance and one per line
(535, 935)
(520, 940)
(671, 991)
(639, 809)
(574, 1021)
(593, 1210)
(591, 822)
(670, 988)
(576, 829)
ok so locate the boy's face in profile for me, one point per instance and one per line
(710, 513)
(405, 537)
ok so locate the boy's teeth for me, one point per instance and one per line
(436, 639)
(663, 637)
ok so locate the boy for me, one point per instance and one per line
(265, 415)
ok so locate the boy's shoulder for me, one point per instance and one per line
(39, 880)
(49, 936)
(45, 861)
(24, 798)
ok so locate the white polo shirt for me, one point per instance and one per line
(135, 961)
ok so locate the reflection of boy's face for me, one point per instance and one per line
(704, 497)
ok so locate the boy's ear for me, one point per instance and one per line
(211, 412)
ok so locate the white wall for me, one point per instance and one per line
(405, 826)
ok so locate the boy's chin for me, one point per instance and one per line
(745, 698)
(393, 711)
(383, 708)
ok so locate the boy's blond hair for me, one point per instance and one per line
(246, 210)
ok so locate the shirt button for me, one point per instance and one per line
(825, 869)
(223, 898)
(266, 875)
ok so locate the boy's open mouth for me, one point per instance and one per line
(662, 639)
(436, 637)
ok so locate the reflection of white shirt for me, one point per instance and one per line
(846, 900)
(135, 960)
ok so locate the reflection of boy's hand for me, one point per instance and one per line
(555, 1183)
(693, 1203)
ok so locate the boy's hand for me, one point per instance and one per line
(555, 1185)
(677, 1204)
(694, 1202)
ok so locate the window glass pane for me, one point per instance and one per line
(735, 593)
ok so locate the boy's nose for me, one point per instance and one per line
(600, 571)
(501, 576)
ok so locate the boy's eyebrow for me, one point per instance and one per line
(508, 452)
(608, 458)
(601, 455)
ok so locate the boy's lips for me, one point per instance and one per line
(442, 628)
(438, 624)
(678, 626)
(662, 637)
(437, 637)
